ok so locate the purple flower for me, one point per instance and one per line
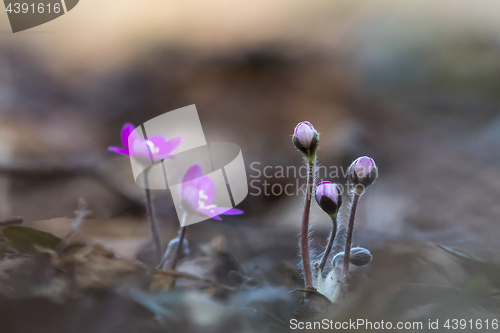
(328, 197)
(158, 145)
(363, 171)
(198, 194)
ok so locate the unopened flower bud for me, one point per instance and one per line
(362, 172)
(329, 198)
(338, 259)
(359, 257)
(306, 139)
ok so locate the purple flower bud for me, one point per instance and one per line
(363, 166)
(328, 197)
(305, 138)
(363, 171)
(304, 131)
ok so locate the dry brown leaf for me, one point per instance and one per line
(96, 267)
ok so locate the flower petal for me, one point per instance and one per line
(233, 211)
(119, 150)
(206, 185)
(210, 214)
(140, 148)
(216, 211)
(226, 211)
(127, 130)
(190, 196)
(193, 172)
(165, 146)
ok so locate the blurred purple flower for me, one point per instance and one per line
(198, 193)
(158, 145)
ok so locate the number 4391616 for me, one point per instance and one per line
(34, 9)
(471, 324)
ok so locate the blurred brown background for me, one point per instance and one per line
(413, 84)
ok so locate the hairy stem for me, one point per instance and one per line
(329, 246)
(347, 253)
(152, 220)
(304, 240)
(182, 235)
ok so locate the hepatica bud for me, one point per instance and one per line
(360, 256)
(304, 132)
(363, 171)
(306, 138)
(338, 259)
(329, 198)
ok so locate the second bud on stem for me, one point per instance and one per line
(329, 198)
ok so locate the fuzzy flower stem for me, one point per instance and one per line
(347, 253)
(328, 249)
(182, 235)
(304, 240)
(152, 220)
